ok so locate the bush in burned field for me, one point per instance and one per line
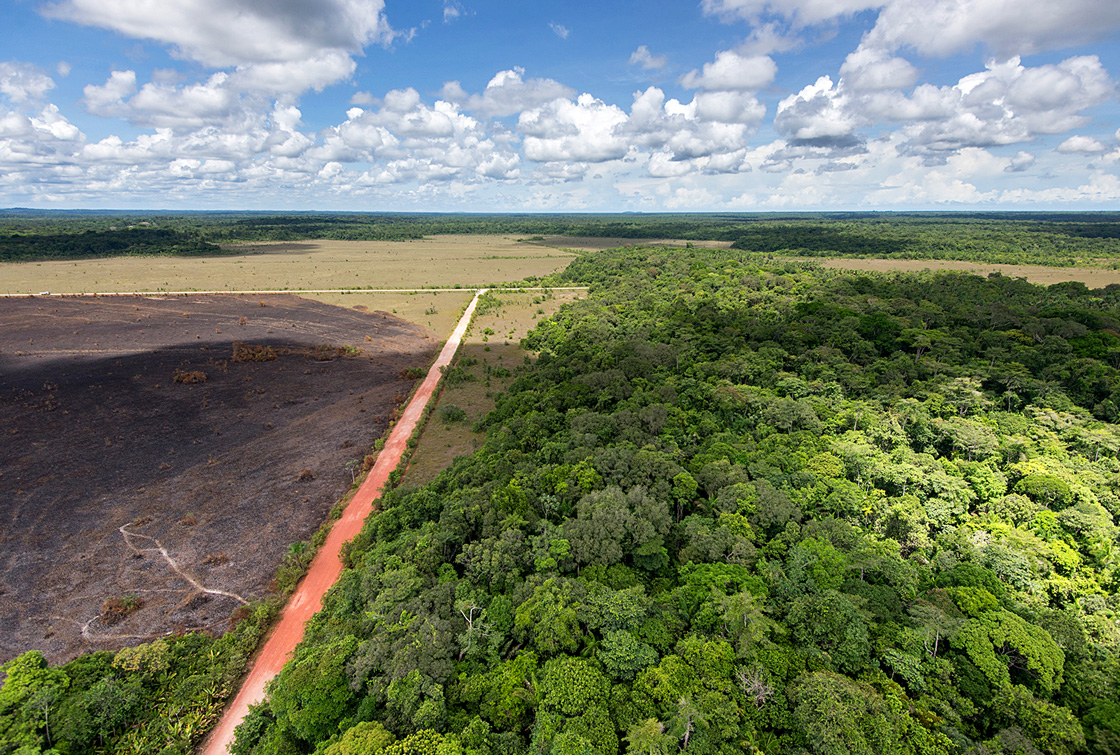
(239, 615)
(189, 377)
(326, 352)
(117, 609)
(412, 373)
(251, 352)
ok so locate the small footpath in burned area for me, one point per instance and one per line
(152, 479)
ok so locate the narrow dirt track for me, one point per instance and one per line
(327, 565)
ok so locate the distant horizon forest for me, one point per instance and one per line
(1083, 239)
(735, 504)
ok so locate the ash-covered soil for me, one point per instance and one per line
(118, 481)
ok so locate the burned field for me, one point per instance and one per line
(159, 455)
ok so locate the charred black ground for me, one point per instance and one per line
(101, 427)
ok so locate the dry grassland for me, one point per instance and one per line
(486, 359)
(438, 311)
(441, 261)
(593, 243)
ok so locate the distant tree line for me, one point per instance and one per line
(1057, 239)
(89, 244)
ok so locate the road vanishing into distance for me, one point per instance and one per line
(327, 565)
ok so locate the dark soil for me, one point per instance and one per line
(105, 456)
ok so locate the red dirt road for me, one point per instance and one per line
(327, 565)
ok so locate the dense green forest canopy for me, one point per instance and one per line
(1059, 239)
(732, 507)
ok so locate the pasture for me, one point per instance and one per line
(440, 262)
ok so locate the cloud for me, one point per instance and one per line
(705, 135)
(1007, 27)
(943, 27)
(732, 71)
(559, 29)
(451, 11)
(223, 33)
(1051, 97)
(165, 105)
(508, 93)
(1007, 103)
(409, 140)
(819, 114)
(36, 145)
(767, 38)
(953, 183)
(23, 82)
(802, 12)
(146, 148)
(870, 69)
(108, 98)
(1021, 162)
(579, 131)
(728, 107)
(1081, 145)
(1101, 189)
(407, 117)
(647, 60)
(498, 165)
(268, 41)
(280, 77)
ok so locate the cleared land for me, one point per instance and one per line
(149, 481)
(486, 364)
(438, 311)
(107, 459)
(467, 261)
(594, 243)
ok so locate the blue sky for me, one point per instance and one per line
(470, 105)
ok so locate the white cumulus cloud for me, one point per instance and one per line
(508, 93)
(1006, 103)
(820, 113)
(579, 131)
(943, 27)
(732, 71)
(1007, 27)
(108, 98)
(1020, 162)
(1081, 145)
(871, 69)
(646, 59)
(23, 82)
(270, 42)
